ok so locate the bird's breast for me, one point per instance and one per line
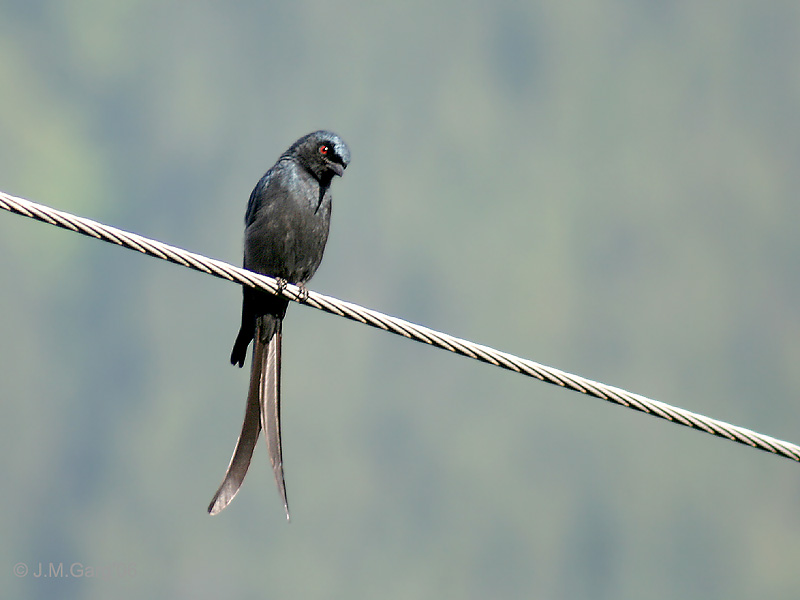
(287, 237)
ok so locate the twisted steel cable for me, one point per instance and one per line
(397, 326)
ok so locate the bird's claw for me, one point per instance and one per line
(282, 283)
(302, 293)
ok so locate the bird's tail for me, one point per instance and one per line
(256, 303)
(270, 395)
(263, 411)
(239, 352)
(246, 330)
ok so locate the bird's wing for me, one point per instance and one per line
(240, 461)
(270, 395)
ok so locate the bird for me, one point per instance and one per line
(286, 229)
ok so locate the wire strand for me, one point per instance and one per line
(397, 326)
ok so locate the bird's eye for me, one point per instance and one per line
(324, 149)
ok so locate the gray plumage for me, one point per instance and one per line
(286, 228)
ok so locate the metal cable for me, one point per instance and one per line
(399, 326)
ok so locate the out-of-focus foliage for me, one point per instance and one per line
(610, 187)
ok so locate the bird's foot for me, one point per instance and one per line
(282, 283)
(302, 295)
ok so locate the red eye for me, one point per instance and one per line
(323, 149)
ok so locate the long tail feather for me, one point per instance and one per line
(271, 408)
(240, 461)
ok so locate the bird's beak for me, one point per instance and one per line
(337, 168)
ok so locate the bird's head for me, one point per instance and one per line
(323, 153)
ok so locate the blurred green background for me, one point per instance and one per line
(608, 186)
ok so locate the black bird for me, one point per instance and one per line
(286, 227)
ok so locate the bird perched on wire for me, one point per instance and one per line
(286, 228)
